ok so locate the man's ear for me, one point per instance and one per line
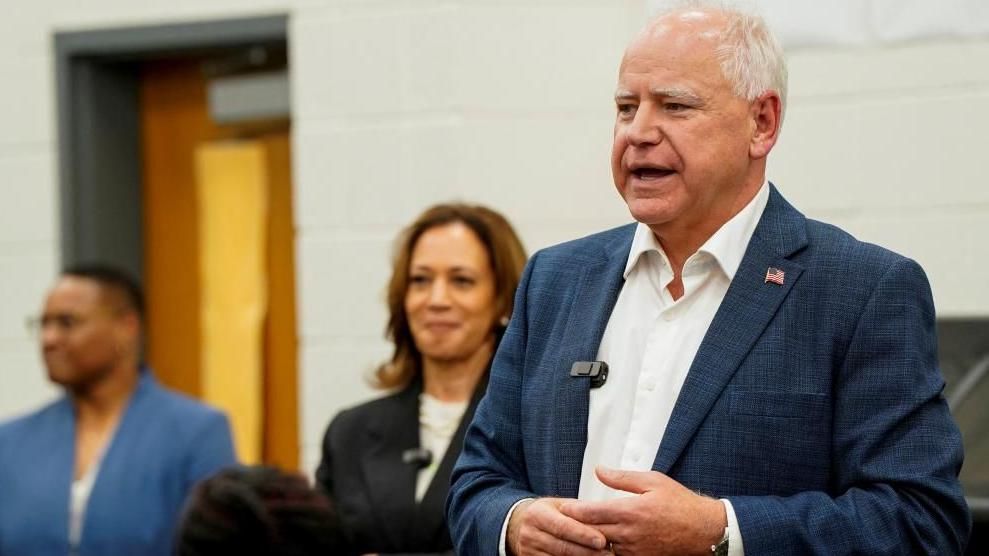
(766, 114)
(130, 324)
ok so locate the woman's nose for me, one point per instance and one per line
(439, 293)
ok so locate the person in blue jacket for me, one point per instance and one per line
(106, 468)
(772, 383)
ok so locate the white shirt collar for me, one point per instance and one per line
(727, 246)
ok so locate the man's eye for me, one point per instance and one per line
(63, 322)
(675, 107)
(626, 109)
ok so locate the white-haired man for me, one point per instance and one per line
(773, 384)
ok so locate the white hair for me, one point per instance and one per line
(751, 58)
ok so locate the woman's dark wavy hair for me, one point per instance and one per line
(507, 257)
(258, 511)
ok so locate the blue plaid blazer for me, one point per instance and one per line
(814, 406)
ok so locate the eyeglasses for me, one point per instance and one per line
(63, 322)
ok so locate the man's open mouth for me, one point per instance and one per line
(647, 173)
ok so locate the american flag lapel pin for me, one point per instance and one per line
(774, 275)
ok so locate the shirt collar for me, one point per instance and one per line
(727, 245)
(643, 242)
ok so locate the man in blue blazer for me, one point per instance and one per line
(773, 384)
(106, 468)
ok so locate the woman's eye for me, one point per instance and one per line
(418, 280)
(463, 281)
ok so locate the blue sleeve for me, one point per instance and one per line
(490, 475)
(896, 449)
(210, 449)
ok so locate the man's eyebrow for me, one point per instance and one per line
(677, 93)
(624, 94)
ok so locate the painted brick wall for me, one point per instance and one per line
(399, 104)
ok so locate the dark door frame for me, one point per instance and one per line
(97, 78)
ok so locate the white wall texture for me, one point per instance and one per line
(398, 104)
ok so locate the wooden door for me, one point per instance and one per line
(175, 126)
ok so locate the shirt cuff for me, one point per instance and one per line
(502, 547)
(735, 547)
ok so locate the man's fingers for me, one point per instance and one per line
(567, 529)
(543, 542)
(636, 482)
(596, 513)
(544, 516)
(610, 512)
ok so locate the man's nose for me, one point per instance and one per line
(50, 334)
(644, 129)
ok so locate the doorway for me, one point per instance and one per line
(167, 171)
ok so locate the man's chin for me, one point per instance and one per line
(66, 378)
(60, 380)
(649, 214)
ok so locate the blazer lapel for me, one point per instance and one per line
(389, 481)
(104, 500)
(58, 463)
(431, 517)
(746, 310)
(593, 300)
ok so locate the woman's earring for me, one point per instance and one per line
(503, 322)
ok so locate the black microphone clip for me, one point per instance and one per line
(420, 457)
(596, 370)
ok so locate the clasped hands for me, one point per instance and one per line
(664, 518)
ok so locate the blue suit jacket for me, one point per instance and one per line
(164, 443)
(815, 407)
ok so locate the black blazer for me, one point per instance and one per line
(373, 490)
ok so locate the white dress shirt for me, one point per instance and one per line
(649, 345)
(80, 492)
(78, 500)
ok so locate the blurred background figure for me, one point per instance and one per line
(106, 468)
(258, 510)
(386, 464)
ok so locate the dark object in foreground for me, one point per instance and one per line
(258, 510)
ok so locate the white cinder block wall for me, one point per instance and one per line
(399, 104)
(505, 103)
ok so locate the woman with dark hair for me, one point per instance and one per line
(386, 464)
(258, 511)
